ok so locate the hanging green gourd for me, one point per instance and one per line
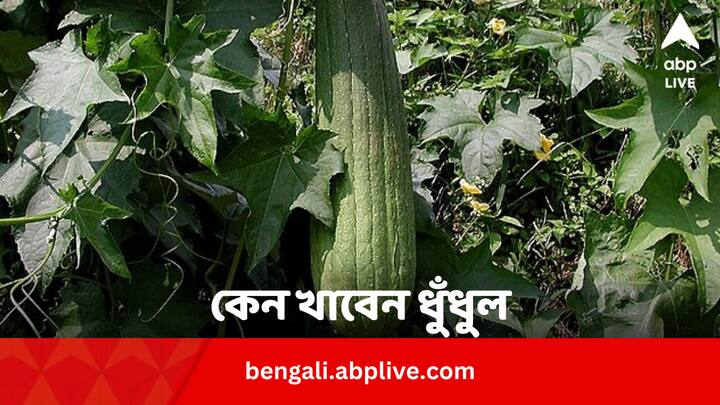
(359, 97)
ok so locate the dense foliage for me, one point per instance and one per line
(154, 152)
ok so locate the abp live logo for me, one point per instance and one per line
(681, 32)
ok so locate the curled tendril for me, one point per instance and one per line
(31, 279)
(170, 296)
(168, 210)
(170, 196)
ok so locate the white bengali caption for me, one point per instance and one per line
(435, 302)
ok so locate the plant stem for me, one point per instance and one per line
(111, 158)
(235, 264)
(283, 85)
(231, 276)
(169, 11)
(565, 97)
(658, 36)
(716, 37)
(500, 196)
(5, 145)
(111, 294)
(4, 222)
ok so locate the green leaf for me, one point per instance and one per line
(579, 64)
(314, 147)
(227, 204)
(27, 16)
(83, 313)
(131, 15)
(31, 239)
(243, 16)
(476, 271)
(15, 64)
(36, 151)
(500, 80)
(90, 214)
(278, 172)
(409, 61)
(62, 103)
(453, 117)
(458, 118)
(32, 192)
(107, 45)
(482, 155)
(698, 222)
(183, 76)
(435, 252)
(656, 117)
(422, 171)
(616, 294)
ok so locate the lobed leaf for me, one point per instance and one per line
(655, 117)
(62, 87)
(616, 294)
(698, 222)
(278, 172)
(579, 64)
(90, 214)
(184, 75)
(458, 118)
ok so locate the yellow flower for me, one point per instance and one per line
(469, 189)
(498, 26)
(480, 207)
(546, 145)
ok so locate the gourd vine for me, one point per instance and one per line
(551, 148)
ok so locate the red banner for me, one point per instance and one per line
(151, 371)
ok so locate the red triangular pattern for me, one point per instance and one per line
(161, 350)
(76, 348)
(106, 372)
(186, 348)
(178, 373)
(41, 394)
(102, 349)
(16, 348)
(42, 349)
(131, 380)
(159, 394)
(71, 380)
(134, 348)
(100, 393)
(17, 380)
